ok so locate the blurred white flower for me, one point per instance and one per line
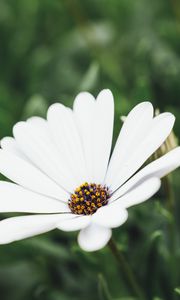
(62, 174)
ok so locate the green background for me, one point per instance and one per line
(49, 51)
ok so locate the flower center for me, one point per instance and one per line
(88, 198)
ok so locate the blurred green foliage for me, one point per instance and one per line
(49, 51)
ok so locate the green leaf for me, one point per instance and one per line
(90, 79)
(104, 293)
(36, 106)
(164, 212)
(177, 290)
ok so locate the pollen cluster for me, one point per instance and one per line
(87, 198)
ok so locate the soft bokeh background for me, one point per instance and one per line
(49, 51)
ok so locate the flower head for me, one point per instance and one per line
(64, 176)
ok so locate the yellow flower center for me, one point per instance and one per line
(87, 198)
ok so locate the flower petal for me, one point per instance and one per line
(74, 224)
(10, 145)
(158, 168)
(18, 228)
(28, 176)
(14, 198)
(139, 194)
(160, 129)
(84, 106)
(131, 134)
(95, 123)
(94, 237)
(110, 216)
(66, 137)
(34, 139)
(102, 133)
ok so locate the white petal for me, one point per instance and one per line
(84, 106)
(18, 228)
(158, 168)
(94, 237)
(34, 139)
(139, 194)
(95, 123)
(14, 198)
(74, 224)
(10, 145)
(102, 134)
(110, 216)
(132, 133)
(160, 129)
(66, 137)
(27, 175)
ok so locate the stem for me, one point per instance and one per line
(169, 194)
(126, 269)
(170, 204)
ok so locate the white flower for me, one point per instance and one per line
(62, 174)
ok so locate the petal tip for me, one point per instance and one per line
(92, 242)
(83, 98)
